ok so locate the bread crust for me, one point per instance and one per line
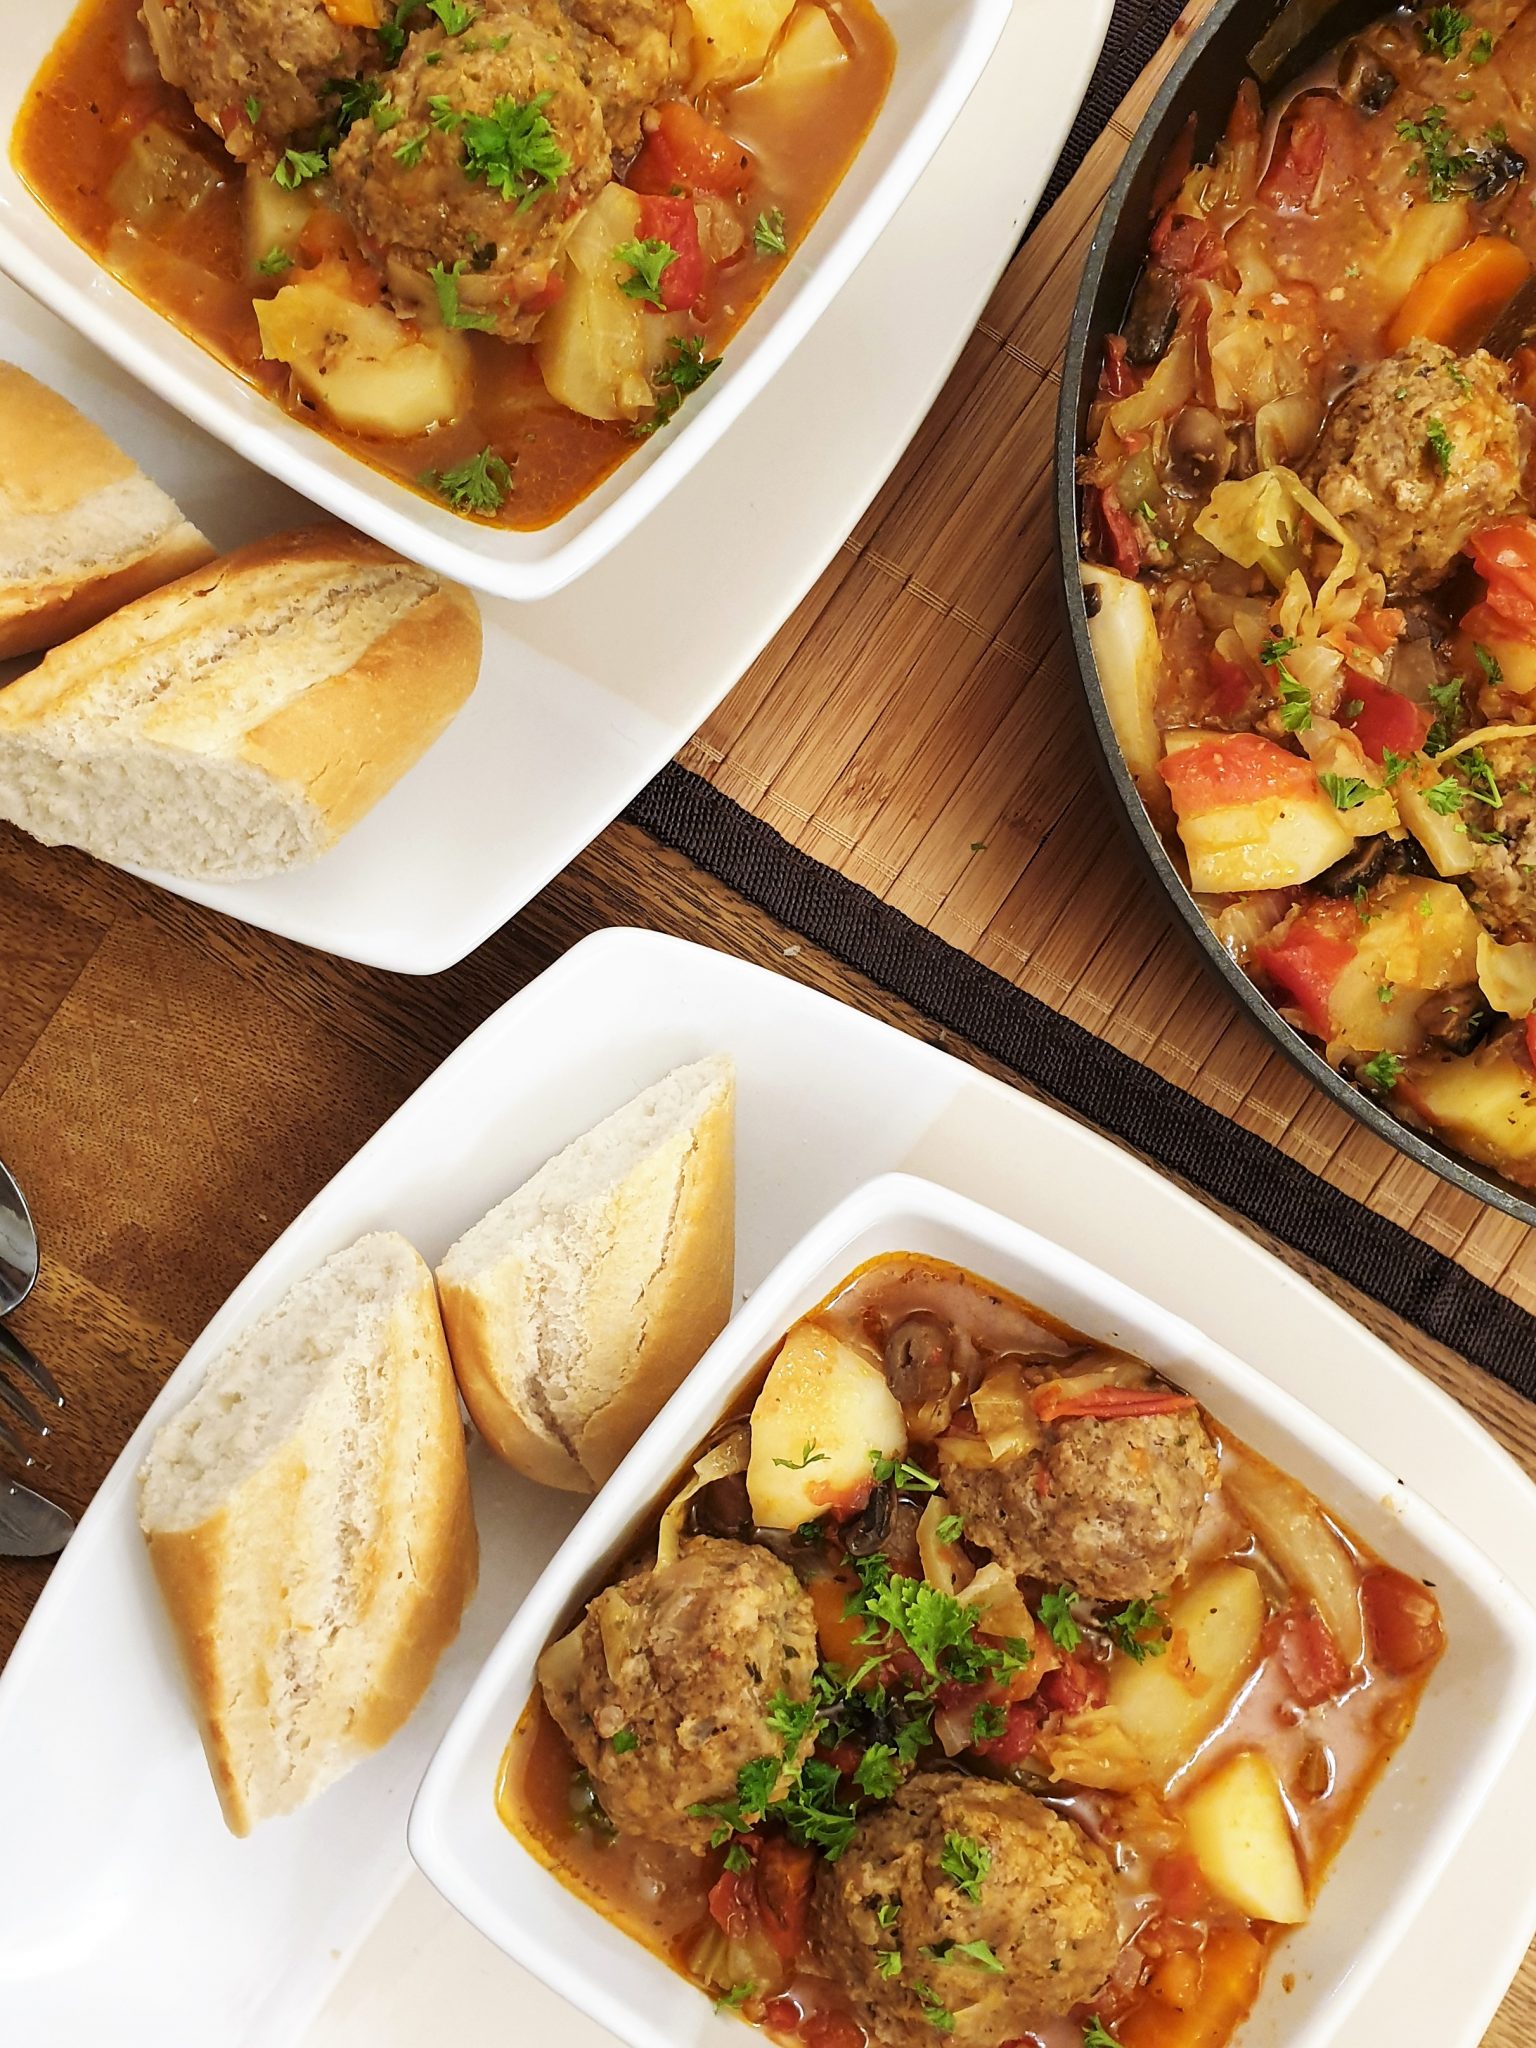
(476, 1354)
(234, 1664)
(53, 460)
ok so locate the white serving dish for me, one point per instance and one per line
(942, 48)
(1476, 1706)
(575, 710)
(128, 1915)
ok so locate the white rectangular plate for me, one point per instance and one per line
(128, 1915)
(582, 698)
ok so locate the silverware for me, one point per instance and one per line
(18, 1272)
(1516, 324)
(29, 1525)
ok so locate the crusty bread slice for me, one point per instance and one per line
(239, 720)
(309, 1521)
(580, 1303)
(82, 529)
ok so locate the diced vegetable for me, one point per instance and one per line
(1060, 1400)
(1256, 522)
(1308, 1655)
(1241, 1834)
(1483, 1103)
(598, 348)
(1419, 939)
(1505, 557)
(823, 1409)
(1386, 720)
(161, 176)
(1250, 814)
(1515, 659)
(808, 55)
(1423, 234)
(1306, 959)
(1291, 1528)
(1402, 1620)
(1092, 1748)
(684, 152)
(1442, 834)
(1457, 299)
(994, 1593)
(1005, 1414)
(1168, 1705)
(274, 217)
(1507, 975)
(1352, 782)
(1231, 1966)
(732, 38)
(355, 13)
(1123, 633)
(373, 373)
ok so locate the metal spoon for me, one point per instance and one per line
(18, 1246)
(29, 1525)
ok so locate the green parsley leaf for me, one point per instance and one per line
(876, 1773)
(479, 485)
(253, 110)
(939, 1632)
(446, 284)
(453, 15)
(1442, 164)
(734, 1999)
(1386, 992)
(1479, 773)
(1382, 1072)
(791, 1720)
(1353, 708)
(625, 1740)
(754, 1788)
(646, 261)
(443, 114)
(1482, 49)
(935, 2012)
(808, 1532)
(903, 1472)
(1056, 1617)
(988, 1722)
(809, 1455)
(409, 151)
(951, 1528)
(814, 1811)
(1393, 764)
(678, 379)
(888, 1912)
(1346, 790)
(1095, 2035)
(356, 99)
(1488, 662)
(391, 34)
(1446, 698)
(981, 1953)
(965, 1863)
(1445, 797)
(768, 236)
(1442, 448)
(888, 1962)
(738, 1857)
(914, 1736)
(1441, 35)
(1295, 697)
(295, 167)
(514, 149)
(1140, 1629)
(275, 262)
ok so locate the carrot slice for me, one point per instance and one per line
(1457, 299)
(1055, 1404)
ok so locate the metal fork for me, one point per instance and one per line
(15, 1356)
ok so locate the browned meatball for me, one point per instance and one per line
(1108, 1506)
(1502, 885)
(954, 1860)
(447, 180)
(687, 1661)
(638, 54)
(278, 55)
(1418, 454)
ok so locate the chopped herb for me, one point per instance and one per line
(587, 1815)
(409, 151)
(454, 16)
(1479, 773)
(275, 262)
(678, 379)
(939, 1632)
(768, 236)
(1446, 698)
(988, 1723)
(980, 1953)
(1387, 992)
(791, 1720)
(1490, 665)
(809, 1455)
(1140, 1629)
(446, 284)
(754, 1788)
(935, 2013)
(1458, 377)
(1441, 162)
(978, 846)
(738, 1857)
(1393, 764)
(815, 1812)
(1095, 2035)
(253, 110)
(1346, 790)
(625, 1741)
(647, 261)
(877, 1774)
(888, 1912)
(1441, 35)
(951, 1528)
(734, 1999)
(479, 485)
(443, 114)
(1295, 697)
(514, 149)
(295, 167)
(965, 1863)
(356, 99)
(808, 1532)
(1382, 1072)
(1056, 1617)
(1353, 708)
(391, 34)
(1482, 49)
(1441, 447)
(888, 1962)
(1445, 797)
(903, 1472)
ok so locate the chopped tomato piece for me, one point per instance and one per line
(1009, 1749)
(1234, 768)
(831, 2030)
(685, 153)
(1056, 1403)
(732, 1898)
(1182, 243)
(1308, 1655)
(1118, 379)
(1076, 1683)
(1121, 543)
(1505, 557)
(1402, 1620)
(1290, 184)
(1181, 1885)
(1232, 689)
(1380, 627)
(1386, 718)
(784, 1874)
(1308, 958)
(673, 221)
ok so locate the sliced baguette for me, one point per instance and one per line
(82, 529)
(238, 721)
(309, 1521)
(580, 1303)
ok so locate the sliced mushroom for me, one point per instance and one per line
(1153, 316)
(1199, 453)
(866, 1534)
(1364, 81)
(722, 1508)
(919, 1358)
(1456, 1020)
(1488, 172)
(1370, 860)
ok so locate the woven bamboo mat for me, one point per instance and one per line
(918, 726)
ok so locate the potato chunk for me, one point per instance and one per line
(371, 372)
(1241, 1837)
(822, 1411)
(732, 38)
(598, 348)
(1169, 1705)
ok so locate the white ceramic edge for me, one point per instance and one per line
(394, 519)
(674, 1437)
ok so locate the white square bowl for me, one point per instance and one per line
(942, 47)
(1478, 1702)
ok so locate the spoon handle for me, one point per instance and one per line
(15, 1353)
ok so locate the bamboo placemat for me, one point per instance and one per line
(918, 729)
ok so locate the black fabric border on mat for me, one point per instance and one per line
(1136, 32)
(1087, 1075)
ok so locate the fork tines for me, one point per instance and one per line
(14, 1353)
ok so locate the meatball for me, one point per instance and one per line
(688, 1660)
(448, 181)
(257, 71)
(954, 1860)
(1110, 1505)
(1417, 454)
(1502, 884)
(638, 52)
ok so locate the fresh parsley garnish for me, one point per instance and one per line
(1441, 162)
(391, 34)
(356, 99)
(951, 1528)
(1386, 992)
(1056, 1619)
(1140, 1629)
(1489, 663)
(903, 1472)
(734, 1999)
(791, 1720)
(275, 262)
(295, 167)
(888, 1912)
(479, 485)
(809, 1455)
(965, 1863)
(814, 1811)
(646, 261)
(1295, 697)
(738, 1857)
(253, 110)
(1480, 775)
(1393, 764)
(1441, 35)
(939, 1632)
(877, 1773)
(935, 2012)
(676, 380)
(625, 1740)
(1445, 797)
(988, 1722)
(1442, 448)
(514, 149)
(888, 1962)
(1096, 2035)
(768, 237)
(1450, 714)
(754, 1788)
(1482, 49)
(1346, 790)
(409, 151)
(1382, 1072)
(453, 15)
(446, 284)
(981, 1953)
